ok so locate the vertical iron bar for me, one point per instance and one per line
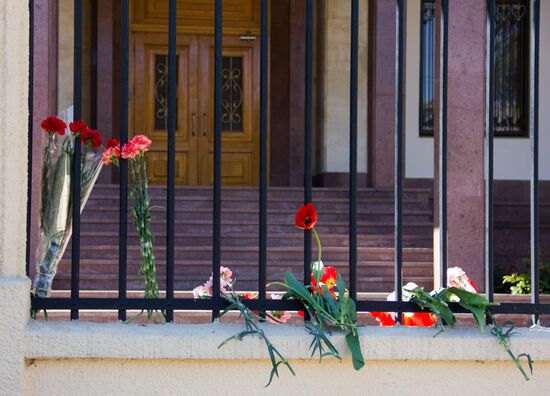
(75, 171)
(423, 64)
(217, 157)
(30, 134)
(399, 115)
(263, 152)
(123, 188)
(534, 100)
(308, 131)
(443, 45)
(354, 60)
(170, 204)
(489, 152)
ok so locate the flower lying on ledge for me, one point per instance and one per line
(251, 318)
(324, 306)
(205, 290)
(456, 277)
(463, 291)
(277, 317)
(226, 284)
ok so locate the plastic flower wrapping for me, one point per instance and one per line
(55, 200)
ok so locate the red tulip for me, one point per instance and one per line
(421, 319)
(306, 217)
(383, 318)
(328, 278)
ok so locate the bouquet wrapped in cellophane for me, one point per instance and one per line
(55, 199)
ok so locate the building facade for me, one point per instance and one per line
(81, 358)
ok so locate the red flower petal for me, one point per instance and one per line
(306, 217)
(383, 318)
(421, 319)
(328, 279)
(78, 127)
(53, 125)
(113, 142)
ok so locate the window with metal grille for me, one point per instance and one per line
(511, 68)
(511, 60)
(427, 67)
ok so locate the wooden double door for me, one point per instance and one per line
(195, 107)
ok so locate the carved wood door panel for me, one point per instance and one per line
(149, 104)
(240, 111)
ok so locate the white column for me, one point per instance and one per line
(333, 86)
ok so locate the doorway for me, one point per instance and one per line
(195, 103)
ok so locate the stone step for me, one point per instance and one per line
(276, 254)
(323, 205)
(287, 193)
(273, 217)
(110, 265)
(233, 226)
(244, 281)
(252, 239)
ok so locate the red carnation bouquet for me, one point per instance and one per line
(55, 199)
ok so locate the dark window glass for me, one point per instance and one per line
(511, 68)
(427, 67)
(232, 94)
(161, 92)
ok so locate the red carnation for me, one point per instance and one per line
(130, 150)
(306, 217)
(142, 142)
(94, 137)
(90, 136)
(53, 125)
(113, 142)
(78, 127)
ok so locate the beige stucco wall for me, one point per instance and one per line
(244, 378)
(117, 359)
(14, 69)
(333, 89)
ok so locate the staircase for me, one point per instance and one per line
(239, 244)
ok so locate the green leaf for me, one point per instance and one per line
(474, 303)
(435, 304)
(330, 302)
(354, 345)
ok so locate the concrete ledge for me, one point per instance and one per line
(74, 340)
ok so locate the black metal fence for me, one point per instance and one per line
(170, 303)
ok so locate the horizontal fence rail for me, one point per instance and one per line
(170, 302)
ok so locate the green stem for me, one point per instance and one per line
(319, 251)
